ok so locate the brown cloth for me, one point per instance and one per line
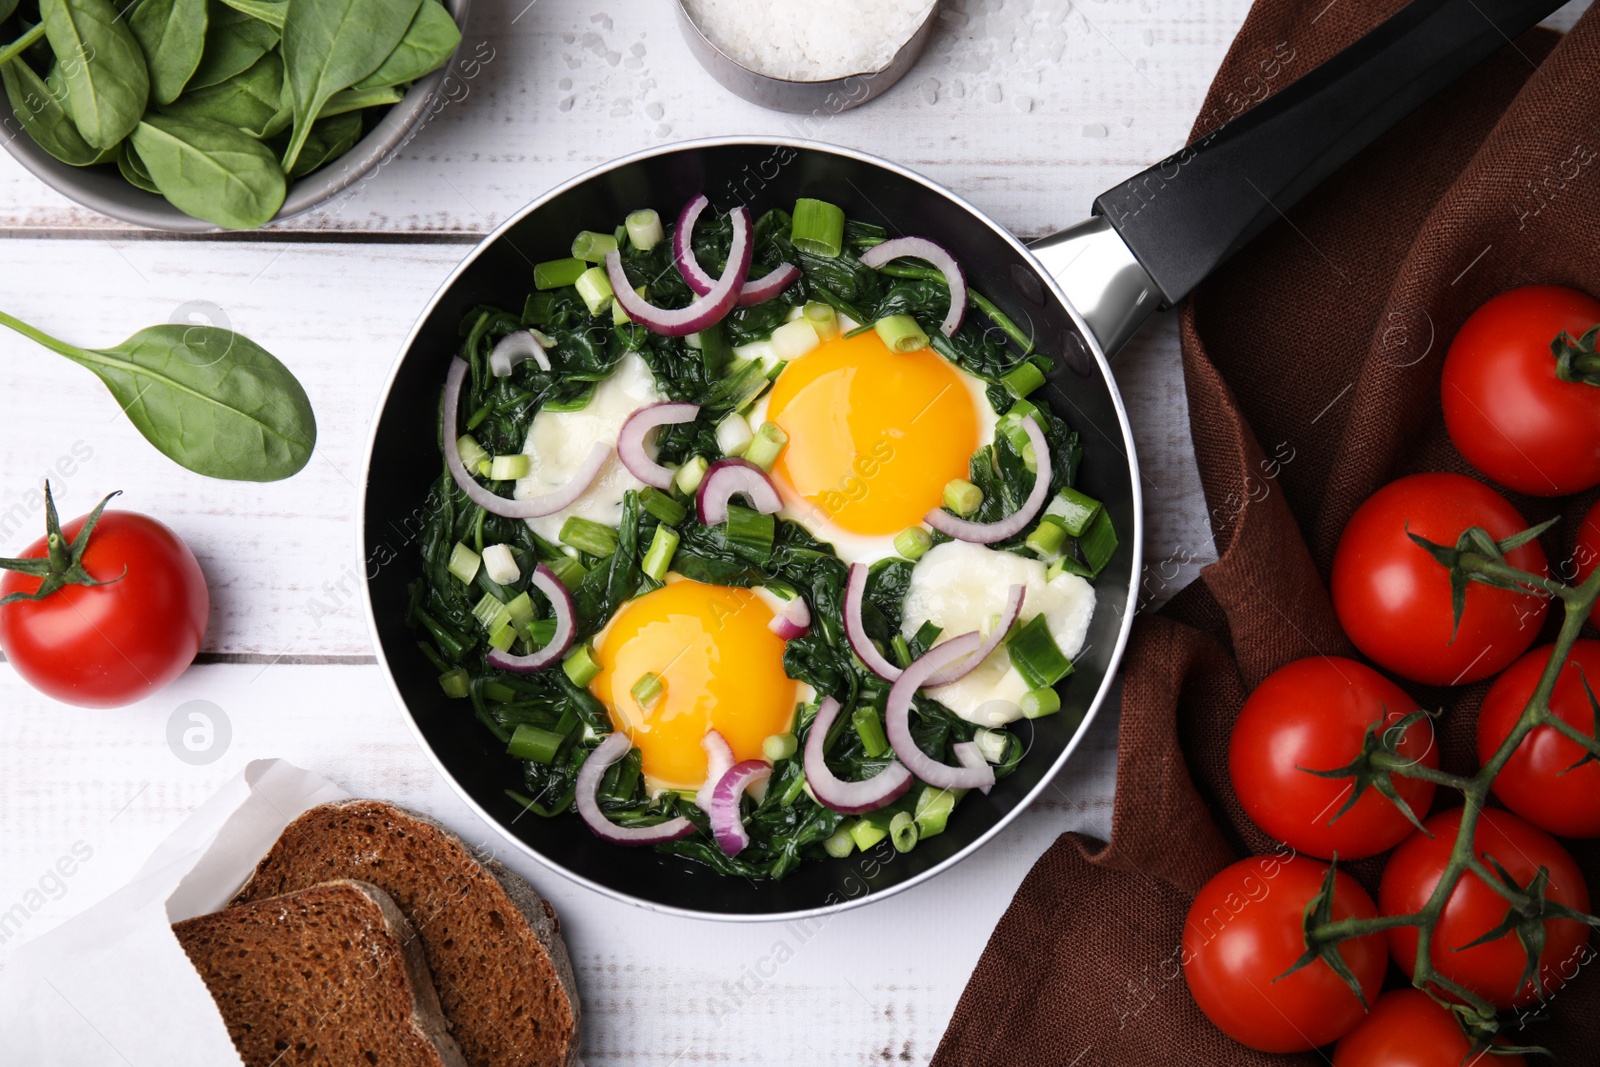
(1312, 364)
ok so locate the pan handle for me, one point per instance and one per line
(1185, 216)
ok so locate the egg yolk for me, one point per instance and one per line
(874, 435)
(721, 668)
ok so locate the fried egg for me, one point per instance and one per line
(721, 667)
(874, 436)
(962, 587)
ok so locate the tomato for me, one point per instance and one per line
(1393, 598)
(1407, 1028)
(1313, 715)
(109, 645)
(1587, 552)
(1492, 970)
(1508, 413)
(1541, 782)
(1246, 928)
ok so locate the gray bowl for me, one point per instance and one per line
(102, 189)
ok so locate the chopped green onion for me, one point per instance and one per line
(557, 273)
(901, 650)
(520, 608)
(689, 475)
(534, 743)
(933, 808)
(592, 247)
(818, 227)
(499, 692)
(491, 613)
(840, 845)
(537, 632)
(644, 229)
(456, 684)
(595, 288)
(750, 533)
(865, 833)
(568, 570)
(733, 435)
(1022, 379)
(510, 468)
(662, 506)
(1023, 409)
(1098, 543)
(779, 746)
(962, 497)
(502, 636)
(659, 556)
(1036, 656)
(464, 563)
(620, 317)
(766, 445)
(900, 333)
(588, 536)
(1037, 703)
(927, 634)
(501, 565)
(580, 665)
(903, 831)
(874, 742)
(1067, 564)
(992, 743)
(472, 453)
(794, 339)
(648, 689)
(823, 319)
(1075, 510)
(913, 542)
(1010, 426)
(1048, 538)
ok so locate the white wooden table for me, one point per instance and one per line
(1027, 107)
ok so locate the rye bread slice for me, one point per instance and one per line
(493, 945)
(329, 976)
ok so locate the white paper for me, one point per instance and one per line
(112, 985)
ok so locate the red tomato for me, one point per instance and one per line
(1246, 928)
(1313, 715)
(1587, 552)
(1407, 1028)
(1393, 599)
(109, 645)
(1540, 781)
(1506, 410)
(1492, 970)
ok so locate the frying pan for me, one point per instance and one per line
(1082, 293)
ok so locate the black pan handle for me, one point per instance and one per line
(1186, 215)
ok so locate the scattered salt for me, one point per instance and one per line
(818, 40)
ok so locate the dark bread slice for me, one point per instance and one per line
(329, 975)
(494, 947)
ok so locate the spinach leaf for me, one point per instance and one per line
(211, 171)
(132, 168)
(210, 399)
(172, 34)
(330, 139)
(348, 100)
(332, 44)
(234, 42)
(253, 101)
(430, 41)
(7, 9)
(271, 12)
(43, 114)
(102, 66)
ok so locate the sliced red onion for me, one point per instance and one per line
(943, 262)
(1008, 617)
(768, 285)
(727, 825)
(512, 349)
(719, 758)
(969, 775)
(855, 592)
(793, 621)
(986, 533)
(751, 293)
(630, 442)
(850, 798)
(709, 309)
(594, 768)
(727, 478)
(969, 755)
(566, 613)
(531, 508)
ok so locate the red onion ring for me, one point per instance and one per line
(986, 533)
(849, 798)
(1008, 617)
(512, 349)
(943, 262)
(705, 312)
(531, 508)
(855, 592)
(794, 620)
(969, 755)
(566, 614)
(898, 720)
(594, 768)
(727, 825)
(719, 759)
(768, 285)
(630, 441)
(728, 477)
(700, 283)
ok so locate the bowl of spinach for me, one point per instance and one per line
(198, 115)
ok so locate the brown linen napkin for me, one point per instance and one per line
(1312, 365)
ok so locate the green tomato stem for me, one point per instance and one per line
(21, 44)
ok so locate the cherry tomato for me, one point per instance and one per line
(109, 645)
(1506, 410)
(1393, 598)
(1542, 781)
(1492, 970)
(1587, 553)
(1407, 1028)
(1246, 928)
(1313, 715)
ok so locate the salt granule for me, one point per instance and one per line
(815, 40)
